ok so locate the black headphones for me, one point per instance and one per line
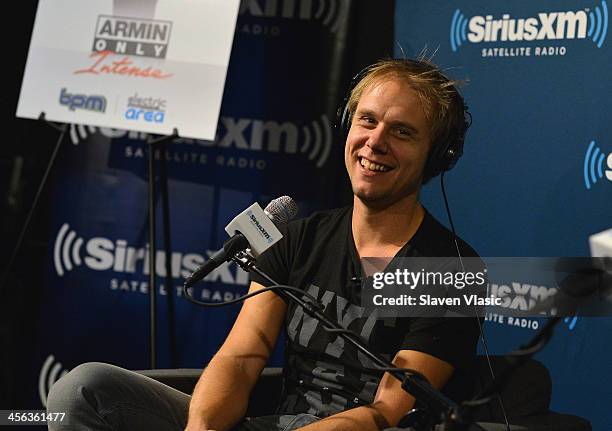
(446, 153)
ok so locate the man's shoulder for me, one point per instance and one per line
(435, 239)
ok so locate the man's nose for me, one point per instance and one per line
(377, 140)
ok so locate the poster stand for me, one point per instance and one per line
(154, 144)
(62, 128)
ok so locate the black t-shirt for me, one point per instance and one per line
(324, 375)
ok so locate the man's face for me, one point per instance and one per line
(388, 143)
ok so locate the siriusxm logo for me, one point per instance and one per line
(82, 101)
(148, 109)
(520, 296)
(50, 372)
(312, 140)
(593, 165)
(332, 13)
(566, 25)
(315, 140)
(259, 227)
(100, 254)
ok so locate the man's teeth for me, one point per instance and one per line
(373, 166)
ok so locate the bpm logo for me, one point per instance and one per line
(332, 13)
(50, 373)
(593, 165)
(132, 36)
(148, 109)
(82, 101)
(581, 24)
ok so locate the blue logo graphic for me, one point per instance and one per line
(149, 109)
(82, 101)
(563, 25)
(458, 33)
(593, 165)
(598, 24)
(147, 115)
(571, 322)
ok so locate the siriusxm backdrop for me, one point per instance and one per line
(536, 178)
(532, 182)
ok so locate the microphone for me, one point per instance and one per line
(253, 230)
(281, 210)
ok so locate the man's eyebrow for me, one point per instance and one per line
(407, 126)
(365, 112)
(402, 124)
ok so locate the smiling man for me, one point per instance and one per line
(404, 123)
(387, 145)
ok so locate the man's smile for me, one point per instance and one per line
(373, 166)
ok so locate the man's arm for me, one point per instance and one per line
(391, 402)
(221, 396)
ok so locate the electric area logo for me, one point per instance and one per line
(148, 109)
(546, 26)
(593, 165)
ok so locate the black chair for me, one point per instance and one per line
(526, 397)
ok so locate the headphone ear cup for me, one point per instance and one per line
(342, 122)
(436, 161)
(453, 154)
(345, 120)
(443, 159)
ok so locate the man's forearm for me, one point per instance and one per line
(365, 418)
(221, 396)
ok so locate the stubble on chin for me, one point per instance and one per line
(379, 199)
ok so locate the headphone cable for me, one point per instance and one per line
(480, 328)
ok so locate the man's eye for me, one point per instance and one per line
(368, 120)
(404, 132)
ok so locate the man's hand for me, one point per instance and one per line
(391, 402)
(220, 398)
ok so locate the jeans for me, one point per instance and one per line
(97, 396)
